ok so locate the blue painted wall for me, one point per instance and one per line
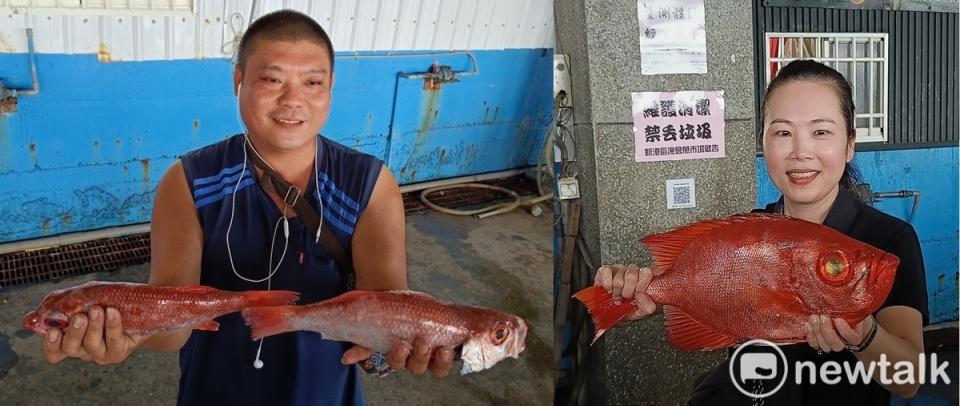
(88, 151)
(933, 172)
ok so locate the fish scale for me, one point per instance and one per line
(753, 276)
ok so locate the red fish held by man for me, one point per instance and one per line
(753, 276)
(377, 320)
(147, 309)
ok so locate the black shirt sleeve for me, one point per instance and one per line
(910, 284)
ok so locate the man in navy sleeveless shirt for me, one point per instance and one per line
(214, 225)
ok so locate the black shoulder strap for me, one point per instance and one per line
(291, 195)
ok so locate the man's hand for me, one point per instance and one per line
(96, 336)
(416, 358)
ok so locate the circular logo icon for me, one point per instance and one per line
(754, 370)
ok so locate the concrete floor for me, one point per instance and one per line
(502, 262)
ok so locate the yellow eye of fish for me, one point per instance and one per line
(834, 268)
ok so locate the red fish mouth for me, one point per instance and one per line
(31, 323)
(521, 337)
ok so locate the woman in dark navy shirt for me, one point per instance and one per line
(808, 144)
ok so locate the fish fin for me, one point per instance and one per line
(603, 310)
(209, 325)
(688, 334)
(268, 320)
(270, 297)
(666, 246)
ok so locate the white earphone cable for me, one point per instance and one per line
(271, 270)
(258, 363)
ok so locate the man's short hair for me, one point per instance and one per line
(283, 25)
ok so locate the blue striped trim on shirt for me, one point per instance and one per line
(221, 185)
(341, 212)
(329, 218)
(211, 179)
(226, 181)
(326, 182)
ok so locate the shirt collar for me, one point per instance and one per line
(841, 214)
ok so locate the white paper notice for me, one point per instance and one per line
(672, 37)
(671, 126)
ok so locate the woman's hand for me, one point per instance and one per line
(829, 335)
(628, 282)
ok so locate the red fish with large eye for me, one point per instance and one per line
(377, 320)
(753, 276)
(147, 309)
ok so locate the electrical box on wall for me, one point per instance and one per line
(568, 188)
(561, 78)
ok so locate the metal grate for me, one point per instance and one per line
(110, 254)
(71, 260)
(464, 198)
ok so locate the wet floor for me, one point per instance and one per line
(502, 262)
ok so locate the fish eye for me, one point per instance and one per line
(834, 267)
(500, 334)
(53, 323)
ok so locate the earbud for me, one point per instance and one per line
(239, 85)
(257, 362)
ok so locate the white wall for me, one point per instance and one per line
(174, 31)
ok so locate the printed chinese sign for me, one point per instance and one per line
(670, 126)
(672, 37)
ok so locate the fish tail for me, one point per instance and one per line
(268, 320)
(270, 297)
(603, 310)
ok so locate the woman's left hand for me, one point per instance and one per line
(829, 335)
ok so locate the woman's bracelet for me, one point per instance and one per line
(866, 340)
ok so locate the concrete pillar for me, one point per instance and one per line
(625, 200)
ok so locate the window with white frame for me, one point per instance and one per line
(99, 7)
(859, 57)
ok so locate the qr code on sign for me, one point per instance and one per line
(681, 194)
